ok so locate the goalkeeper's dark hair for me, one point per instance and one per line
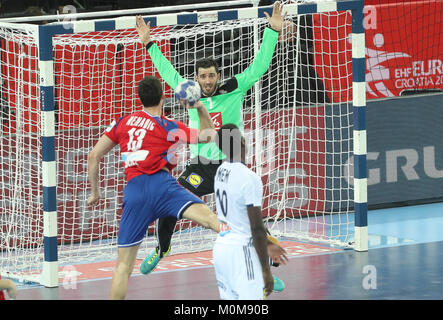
(206, 63)
(229, 141)
(150, 91)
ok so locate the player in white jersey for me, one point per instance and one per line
(240, 252)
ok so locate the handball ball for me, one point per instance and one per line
(188, 90)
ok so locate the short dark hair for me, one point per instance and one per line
(229, 140)
(150, 91)
(206, 63)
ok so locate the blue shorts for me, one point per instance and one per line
(147, 198)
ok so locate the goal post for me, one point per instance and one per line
(79, 75)
(359, 131)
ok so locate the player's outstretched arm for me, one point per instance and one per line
(163, 65)
(263, 59)
(260, 244)
(207, 132)
(100, 149)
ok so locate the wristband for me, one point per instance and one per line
(272, 239)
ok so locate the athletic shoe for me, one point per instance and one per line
(279, 285)
(151, 261)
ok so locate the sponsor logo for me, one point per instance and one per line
(394, 67)
(194, 180)
(130, 158)
(216, 119)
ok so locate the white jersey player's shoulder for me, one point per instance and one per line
(244, 175)
(247, 171)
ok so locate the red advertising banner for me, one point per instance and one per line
(404, 49)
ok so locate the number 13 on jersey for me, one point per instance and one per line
(134, 145)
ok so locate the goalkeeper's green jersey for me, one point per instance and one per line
(226, 105)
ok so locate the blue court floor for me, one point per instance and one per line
(404, 261)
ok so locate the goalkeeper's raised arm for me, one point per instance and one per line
(263, 58)
(163, 65)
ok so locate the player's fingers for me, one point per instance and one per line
(279, 259)
(267, 15)
(283, 259)
(184, 103)
(268, 290)
(140, 22)
(93, 200)
(281, 256)
(284, 254)
(277, 7)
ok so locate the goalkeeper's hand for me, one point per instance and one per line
(276, 20)
(143, 29)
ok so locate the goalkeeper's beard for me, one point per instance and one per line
(210, 92)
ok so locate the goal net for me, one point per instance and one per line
(21, 196)
(298, 128)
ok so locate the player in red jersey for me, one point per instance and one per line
(148, 142)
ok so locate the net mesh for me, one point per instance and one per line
(21, 222)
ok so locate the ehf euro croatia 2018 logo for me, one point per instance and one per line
(377, 73)
(390, 73)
